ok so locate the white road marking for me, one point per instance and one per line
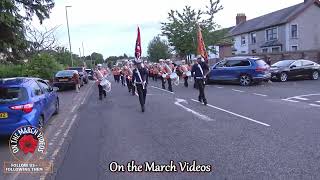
(315, 105)
(289, 100)
(301, 98)
(201, 116)
(162, 89)
(74, 107)
(137, 94)
(220, 87)
(263, 95)
(235, 114)
(318, 101)
(236, 90)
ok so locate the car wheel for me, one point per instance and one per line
(41, 123)
(245, 80)
(315, 75)
(283, 77)
(57, 105)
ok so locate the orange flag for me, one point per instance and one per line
(201, 46)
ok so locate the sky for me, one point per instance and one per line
(109, 27)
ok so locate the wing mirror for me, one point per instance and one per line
(293, 66)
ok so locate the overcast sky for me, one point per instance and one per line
(109, 26)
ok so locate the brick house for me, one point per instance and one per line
(296, 28)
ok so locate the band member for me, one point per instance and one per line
(169, 68)
(140, 79)
(122, 77)
(114, 74)
(99, 74)
(184, 69)
(155, 72)
(200, 70)
(162, 71)
(128, 76)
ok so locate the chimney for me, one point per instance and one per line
(241, 17)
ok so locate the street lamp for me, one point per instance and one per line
(69, 34)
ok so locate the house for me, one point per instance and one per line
(296, 28)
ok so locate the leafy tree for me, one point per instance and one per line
(158, 49)
(97, 57)
(13, 15)
(181, 28)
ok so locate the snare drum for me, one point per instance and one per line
(188, 73)
(173, 76)
(164, 75)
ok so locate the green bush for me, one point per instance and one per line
(7, 71)
(43, 66)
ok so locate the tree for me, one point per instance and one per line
(43, 65)
(158, 49)
(181, 28)
(97, 57)
(13, 16)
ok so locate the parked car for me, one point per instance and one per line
(90, 74)
(292, 69)
(243, 70)
(65, 79)
(26, 101)
(82, 72)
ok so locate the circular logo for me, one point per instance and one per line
(28, 143)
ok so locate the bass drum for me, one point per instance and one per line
(106, 85)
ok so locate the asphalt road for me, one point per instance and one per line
(269, 131)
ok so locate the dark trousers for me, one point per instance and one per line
(186, 81)
(142, 94)
(200, 84)
(163, 81)
(114, 77)
(101, 92)
(122, 80)
(133, 88)
(169, 84)
(117, 78)
(129, 84)
(195, 85)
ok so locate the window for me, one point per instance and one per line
(44, 86)
(243, 52)
(243, 40)
(253, 38)
(253, 51)
(272, 34)
(297, 64)
(307, 63)
(275, 49)
(265, 50)
(294, 48)
(237, 63)
(36, 89)
(294, 31)
(12, 94)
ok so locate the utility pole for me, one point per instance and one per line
(69, 34)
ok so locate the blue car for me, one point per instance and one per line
(243, 70)
(26, 101)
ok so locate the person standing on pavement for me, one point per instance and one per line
(99, 74)
(200, 70)
(140, 79)
(76, 79)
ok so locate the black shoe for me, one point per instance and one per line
(142, 108)
(100, 98)
(200, 100)
(205, 102)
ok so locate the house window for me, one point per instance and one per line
(294, 48)
(294, 31)
(272, 34)
(253, 38)
(275, 49)
(253, 51)
(265, 50)
(243, 40)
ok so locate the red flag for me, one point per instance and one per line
(138, 46)
(201, 46)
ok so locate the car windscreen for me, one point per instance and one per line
(284, 63)
(64, 73)
(78, 69)
(12, 94)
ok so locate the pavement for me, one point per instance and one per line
(267, 131)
